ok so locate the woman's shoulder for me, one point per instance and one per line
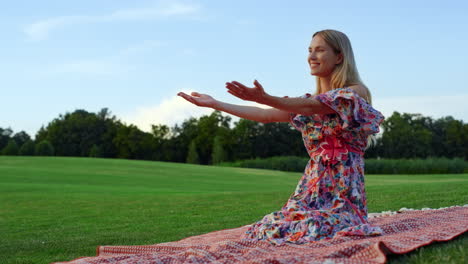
(361, 90)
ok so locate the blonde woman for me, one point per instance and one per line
(336, 123)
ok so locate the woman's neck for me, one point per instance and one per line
(325, 83)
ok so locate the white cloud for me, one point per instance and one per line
(171, 111)
(173, 9)
(40, 30)
(427, 105)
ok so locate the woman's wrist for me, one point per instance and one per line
(265, 99)
(217, 105)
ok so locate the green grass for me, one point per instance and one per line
(57, 209)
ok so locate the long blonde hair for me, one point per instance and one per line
(345, 73)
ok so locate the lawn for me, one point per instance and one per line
(56, 209)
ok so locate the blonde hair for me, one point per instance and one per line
(346, 73)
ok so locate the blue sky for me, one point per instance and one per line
(134, 56)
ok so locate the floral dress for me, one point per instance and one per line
(330, 198)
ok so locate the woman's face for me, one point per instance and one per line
(322, 59)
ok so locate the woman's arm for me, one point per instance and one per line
(248, 112)
(304, 106)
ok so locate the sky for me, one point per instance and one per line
(133, 57)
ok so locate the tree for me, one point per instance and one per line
(180, 140)
(407, 136)
(219, 154)
(27, 149)
(192, 156)
(74, 134)
(132, 143)
(11, 148)
(44, 148)
(21, 138)
(5, 135)
(95, 152)
(208, 128)
(161, 135)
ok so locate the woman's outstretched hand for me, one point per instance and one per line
(255, 94)
(202, 100)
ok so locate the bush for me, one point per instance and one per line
(44, 148)
(11, 148)
(372, 166)
(415, 166)
(283, 163)
(27, 149)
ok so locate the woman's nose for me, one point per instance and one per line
(311, 56)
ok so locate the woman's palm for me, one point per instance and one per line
(195, 98)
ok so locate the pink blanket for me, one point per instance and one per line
(405, 230)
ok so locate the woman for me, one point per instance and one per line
(336, 124)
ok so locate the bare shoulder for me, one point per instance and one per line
(361, 90)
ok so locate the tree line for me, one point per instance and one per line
(212, 139)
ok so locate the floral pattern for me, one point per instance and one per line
(330, 198)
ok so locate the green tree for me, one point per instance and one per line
(132, 143)
(44, 148)
(5, 135)
(161, 136)
(21, 138)
(456, 139)
(192, 156)
(219, 154)
(27, 149)
(95, 152)
(11, 148)
(207, 128)
(74, 134)
(180, 140)
(407, 136)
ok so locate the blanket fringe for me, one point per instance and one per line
(387, 213)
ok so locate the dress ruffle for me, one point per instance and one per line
(357, 115)
(300, 227)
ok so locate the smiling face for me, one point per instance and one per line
(322, 58)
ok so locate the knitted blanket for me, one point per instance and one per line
(405, 230)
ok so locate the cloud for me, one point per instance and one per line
(171, 111)
(40, 30)
(173, 9)
(427, 105)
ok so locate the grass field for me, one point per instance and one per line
(56, 209)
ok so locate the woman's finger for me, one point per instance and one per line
(257, 84)
(183, 95)
(188, 98)
(239, 84)
(230, 84)
(234, 88)
(236, 94)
